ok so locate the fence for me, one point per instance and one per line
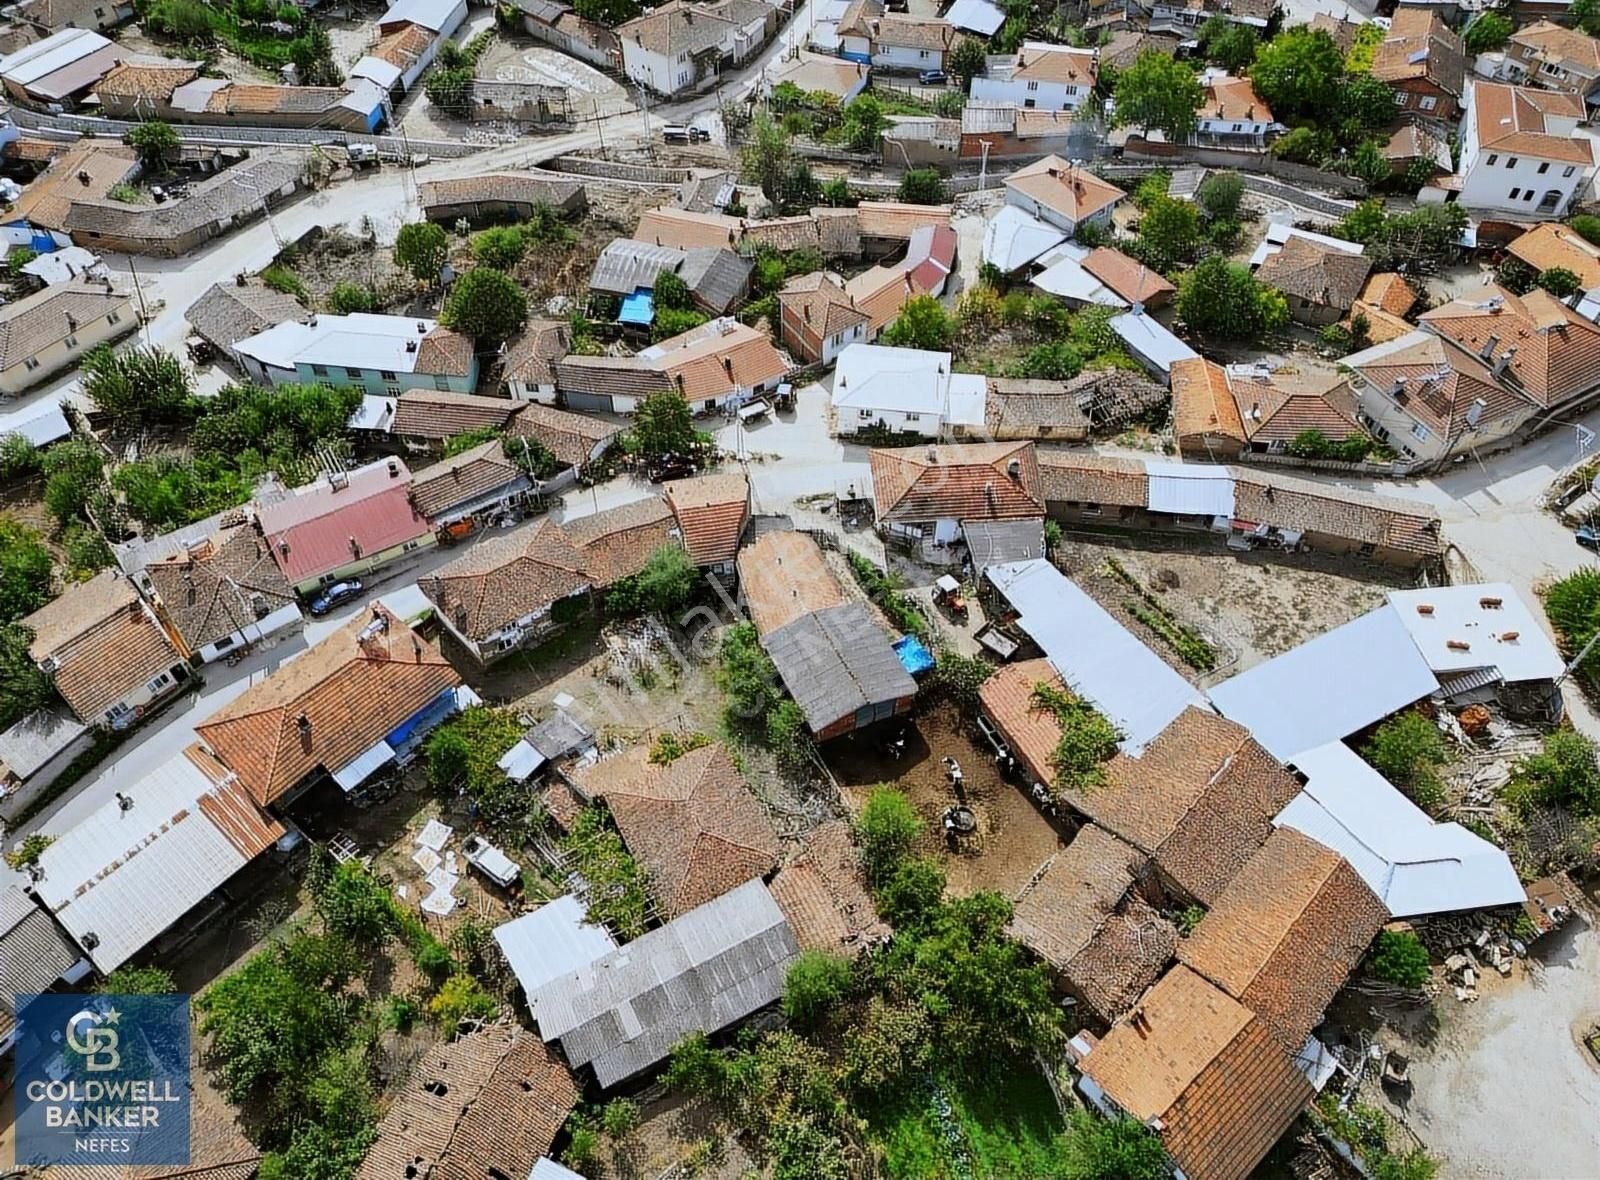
(1395, 469)
(1243, 161)
(617, 170)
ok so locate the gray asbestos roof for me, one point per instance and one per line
(701, 972)
(836, 661)
(993, 541)
(34, 952)
(219, 198)
(717, 277)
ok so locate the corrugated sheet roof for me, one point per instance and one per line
(836, 661)
(554, 940)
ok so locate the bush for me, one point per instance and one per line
(1399, 957)
(284, 281)
(1221, 192)
(669, 746)
(422, 249)
(816, 982)
(1587, 226)
(1088, 739)
(1405, 749)
(746, 676)
(154, 142)
(25, 567)
(1563, 774)
(618, 896)
(461, 998)
(1572, 605)
(129, 980)
(350, 298)
(1120, 1148)
(921, 186)
(671, 292)
(887, 829)
(1561, 282)
(789, 739)
(463, 757)
(922, 323)
(1221, 299)
(485, 304)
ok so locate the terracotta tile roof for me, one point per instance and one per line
(1093, 479)
(1199, 800)
(1132, 280)
(1413, 141)
(783, 576)
(1382, 326)
(1286, 933)
(971, 481)
(823, 893)
(146, 79)
(676, 28)
(666, 226)
(1125, 47)
(1518, 119)
(1290, 502)
(218, 1150)
(430, 414)
(506, 578)
(610, 376)
(1441, 383)
(247, 98)
(516, 188)
(1073, 914)
(896, 219)
(323, 526)
(1202, 404)
(712, 511)
(35, 322)
(1007, 699)
(1199, 1061)
(104, 640)
(1549, 245)
(1562, 46)
(822, 303)
(914, 32)
(1229, 98)
(47, 201)
(1557, 350)
(1421, 45)
(1068, 189)
(490, 1103)
(1277, 406)
(617, 542)
(528, 355)
(474, 472)
(1342, 31)
(1390, 292)
(221, 586)
(571, 438)
(693, 824)
(36, 149)
(403, 46)
(717, 358)
(446, 353)
(1042, 62)
(1304, 269)
(1018, 404)
(351, 691)
(227, 312)
(879, 294)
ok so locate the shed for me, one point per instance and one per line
(554, 940)
(839, 666)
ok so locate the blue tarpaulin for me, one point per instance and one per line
(914, 657)
(638, 308)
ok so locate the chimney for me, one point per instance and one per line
(303, 724)
(72, 323)
(124, 802)
(1458, 645)
(1508, 637)
(1491, 603)
(1503, 361)
(394, 469)
(241, 279)
(355, 547)
(1475, 413)
(422, 328)
(1424, 608)
(1487, 351)
(84, 178)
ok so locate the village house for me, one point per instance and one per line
(408, 38)
(999, 131)
(822, 891)
(923, 495)
(1054, 77)
(1521, 152)
(51, 330)
(708, 969)
(1384, 303)
(1062, 194)
(499, 196)
(894, 41)
(105, 651)
(1424, 63)
(813, 72)
(628, 270)
(1018, 408)
(35, 750)
(536, 104)
(62, 69)
(488, 1103)
(1221, 412)
(345, 525)
(424, 419)
(905, 390)
(712, 512)
(1103, 276)
(220, 593)
(722, 362)
(194, 824)
(230, 312)
(1550, 245)
(574, 440)
(52, 16)
(366, 696)
(175, 91)
(681, 45)
(1232, 114)
(693, 824)
(831, 654)
(1553, 57)
(383, 355)
(1184, 16)
(526, 363)
(1419, 145)
(556, 24)
(1320, 280)
(479, 483)
(817, 319)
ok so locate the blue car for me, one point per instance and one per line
(335, 594)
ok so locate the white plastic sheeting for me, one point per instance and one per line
(1190, 489)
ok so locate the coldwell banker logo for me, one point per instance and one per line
(102, 1080)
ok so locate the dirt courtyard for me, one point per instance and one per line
(1012, 839)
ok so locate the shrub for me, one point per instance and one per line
(1220, 194)
(1088, 739)
(1405, 749)
(485, 304)
(669, 746)
(1587, 226)
(1563, 774)
(350, 298)
(1399, 957)
(284, 281)
(461, 998)
(1561, 282)
(887, 829)
(920, 186)
(1111, 1149)
(816, 982)
(1573, 607)
(500, 247)
(422, 249)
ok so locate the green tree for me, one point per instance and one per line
(1298, 73)
(1093, 1148)
(764, 155)
(353, 902)
(968, 59)
(675, 321)
(312, 55)
(1564, 773)
(1221, 194)
(1158, 91)
(1587, 226)
(1406, 749)
(463, 758)
(911, 893)
(500, 246)
(746, 676)
(610, 13)
(1365, 110)
(863, 122)
(1230, 45)
(1368, 164)
(788, 738)
(73, 475)
(347, 298)
(922, 323)
(1573, 606)
(23, 688)
(149, 384)
(422, 249)
(1561, 282)
(836, 193)
(662, 587)
(19, 458)
(887, 829)
(450, 88)
(663, 425)
(129, 980)
(1490, 31)
(1220, 299)
(671, 292)
(922, 186)
(816, 982)
(1169, 232)
(485, 304)
(1399, 957)
(154, 142)
(888, 1049)
(24, 570)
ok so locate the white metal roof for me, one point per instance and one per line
(878, 377)
(364, 766)
(124, 876)
(1278, 233)
(548, 1169)
(1150, 343)
(555, 940)
(375, 69)
(63, 265)
(1067, 279)
(1328, 688)
(978, 16)
(430, 14)
(1491, 619)
(1013, 238)
(1095, 655)
(374, 413)
(521, 761)
(55, 52)
(361, 340)
(1414, 865)
(41, 423)
(1190, 489)
(408, 603)
(968, 394)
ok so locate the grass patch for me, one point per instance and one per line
(1190, 645)
(883, 588)
(1000, 1127)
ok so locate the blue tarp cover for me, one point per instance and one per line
(914, 657)
(638, 308)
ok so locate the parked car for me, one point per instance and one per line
(334, 595)
(1588, 536)
(689, 134)
(933, 78)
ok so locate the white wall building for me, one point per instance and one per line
(904, 389)
(1048, 77)
(1521, 152)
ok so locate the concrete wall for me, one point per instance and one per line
(281, 619)
(367, 564)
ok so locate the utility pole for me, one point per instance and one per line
(644, 108)
(138, 289)
(983, 165)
